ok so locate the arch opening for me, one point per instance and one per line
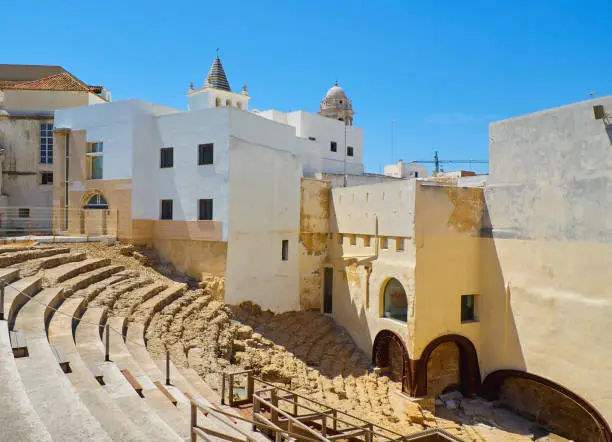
(395, 301)
(96, 201)
(548, 403)
(391, 356)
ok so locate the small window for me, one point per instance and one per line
(353, 240)
(205, 209)
(367, 241)
(97, 201)
(399, 244)
(96, 147)
(349, 151)
(46, 143)
(228, 103)
(166, 209)
(96, 170)
(46, 178)
(167, 157)
(24, 212)
(416, 174)
(217, 102)
(384, 242)
(285, 250)
(239, 105)
(468, 308)
(340, 238)
(205, 154)
(333, 146)
(312, 138)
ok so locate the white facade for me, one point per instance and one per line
(406, 170)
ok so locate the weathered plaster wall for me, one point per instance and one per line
(447, 223)
(443, 368)
(314, 228)
(46, 100)
(264, 210)
(196, 259)
(550, 256)
(361, 271)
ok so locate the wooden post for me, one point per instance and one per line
(274, 410)
(194, 422)
(335, 424)
(107, 349)
(167, 367)
(256, 409)
(295, 404)
(250, 385)
(222, 388)
(2, 284)
(230, 394)
(324, 425)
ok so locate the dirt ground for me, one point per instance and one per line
(305, 351)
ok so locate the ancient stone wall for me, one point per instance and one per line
(443, 368)
(548, 407)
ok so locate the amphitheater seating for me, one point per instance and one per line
(63, 388)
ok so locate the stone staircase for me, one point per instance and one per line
(60, 303)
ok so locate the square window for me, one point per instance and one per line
(399, 244)
(205, 209)
(46, 178)
(96, 147)
(167, 157)
(349, 151)
(285, 250)
(468, 308)
(333, 146)
(205, 154)
(166, 209)
(367, 241)
(353, 240)
(384, 243)
(24, 212)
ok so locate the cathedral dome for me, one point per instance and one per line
(335, 92)
(337, 105)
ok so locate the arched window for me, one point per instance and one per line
(97, 201)
(395, 302)
(217, 102)
(228, 103)
(239, 105)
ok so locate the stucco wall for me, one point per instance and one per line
(45, 100)
(314, 228)
(264, 209)
(550, 255)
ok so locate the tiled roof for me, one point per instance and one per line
(59, 82)
(216, 77)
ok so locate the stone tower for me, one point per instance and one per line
(336, 105)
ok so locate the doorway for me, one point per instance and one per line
(328, 286)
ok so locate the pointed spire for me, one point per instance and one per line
(216, 77)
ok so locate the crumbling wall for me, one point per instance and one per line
(196, 259)
(314, 225)
(442, 368)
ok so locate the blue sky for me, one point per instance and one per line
(443, 70)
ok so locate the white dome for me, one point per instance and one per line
(335, 92)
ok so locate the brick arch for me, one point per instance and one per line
(380, 354)
(469, 371)
(492, 385)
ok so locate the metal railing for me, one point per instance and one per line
(52, 221)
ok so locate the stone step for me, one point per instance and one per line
(109, 297)
(114, 421)
(121, 356)
(128, 303)
(18, 418)
(88, 338)
(91, 292)
(10, 258)
(91, 277)
(144, 312)
(12, 249)
(64, 258)
(9, 275)
(70, 270)
(52, 395)
(17, 294)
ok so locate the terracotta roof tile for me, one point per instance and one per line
(59, 82)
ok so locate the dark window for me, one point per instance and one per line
(205, 209)
(468, 308)
(333, 146)
(46, 178)
(312, 138)
(285, 250)
(46, 143)
(349, 151)
(416, 174)
(205, 154)
(24, 213)
(167, 157)
(166, 209)
(97, 201)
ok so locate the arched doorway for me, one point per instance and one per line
(94, 216)
(390, 354)
(550, 404)
(394, 301)
(453, 361)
